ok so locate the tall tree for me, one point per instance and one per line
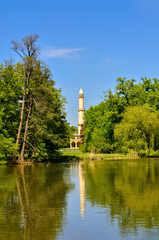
(28, 51)
(42, 127)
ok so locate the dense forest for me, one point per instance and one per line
(127, 120)
(32, 117)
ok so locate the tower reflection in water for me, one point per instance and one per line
(82, 190)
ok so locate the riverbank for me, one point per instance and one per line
(76, 154)
(67, 154)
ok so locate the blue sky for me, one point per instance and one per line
(86, 44)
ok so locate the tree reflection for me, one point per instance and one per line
(130, 189)
(33, 201)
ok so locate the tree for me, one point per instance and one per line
(100, 121)
(123, 88)
(42, 126)
(10, 94)
(28, 52)
(48, 128)
(138, 130)
(98, 129)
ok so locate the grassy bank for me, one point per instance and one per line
(75, 154)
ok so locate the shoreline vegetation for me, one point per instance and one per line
(65, 155)
(75, 155)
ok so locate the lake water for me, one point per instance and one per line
(86, 200)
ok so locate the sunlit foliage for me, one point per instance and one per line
(120, 107)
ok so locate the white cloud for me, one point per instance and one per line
(51, 52)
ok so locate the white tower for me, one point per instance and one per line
(81, 112)
(77, 139)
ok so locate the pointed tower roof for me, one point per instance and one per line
(81, 91)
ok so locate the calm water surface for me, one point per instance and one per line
(87, 200)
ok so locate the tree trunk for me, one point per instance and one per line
(21, 156)
(21, 121)
(21, 117)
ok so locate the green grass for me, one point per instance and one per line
(77, 155)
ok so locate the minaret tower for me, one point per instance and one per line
(81, 112)
(77, 139)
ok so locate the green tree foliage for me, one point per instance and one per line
(47, 129)
(101, 120)
(98, 129)
(10, 95)
(32, 117)
(138, 130)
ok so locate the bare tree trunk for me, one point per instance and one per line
(21, 157)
